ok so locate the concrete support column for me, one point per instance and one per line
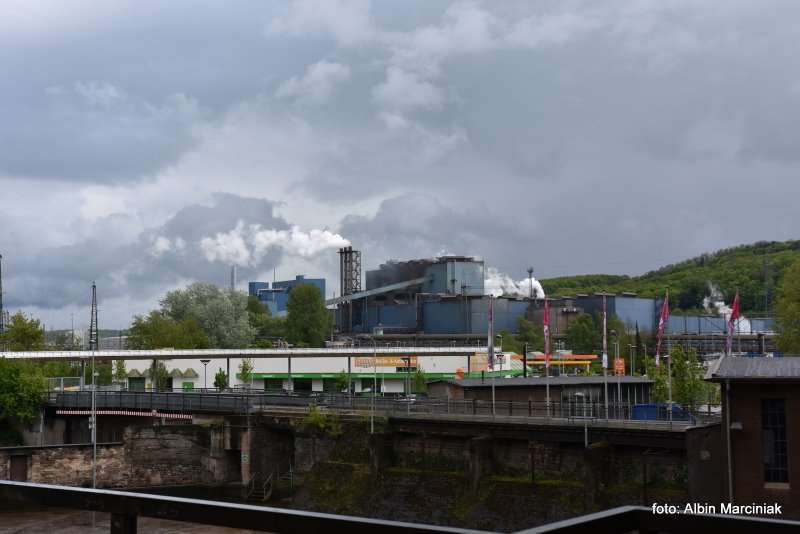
(381, 452)
(246, 456)
(479, 459)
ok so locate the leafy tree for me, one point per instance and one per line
(23, 333)
(582, 336)
(120, 373)
(419, 383)
(265, 325)
(788, 310)
(222, 315)
(308, 321)
(22, 389)
(530, 333)
(157, 330)
(221, 379)
(341, 382)
(159, 376)
(246, 371)
(659, 393)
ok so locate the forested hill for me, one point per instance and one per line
(746, 268)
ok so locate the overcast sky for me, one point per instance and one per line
(148, 144)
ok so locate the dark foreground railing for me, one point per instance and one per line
(642, 520)
(125, 508)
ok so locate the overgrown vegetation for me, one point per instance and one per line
(321, 423)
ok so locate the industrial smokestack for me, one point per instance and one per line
(233, 278)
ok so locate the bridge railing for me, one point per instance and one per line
(244, 402)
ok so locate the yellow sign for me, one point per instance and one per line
(387, 361)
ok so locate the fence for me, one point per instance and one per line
(244, 402)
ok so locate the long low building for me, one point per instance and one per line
(309, 370)
(575, 390)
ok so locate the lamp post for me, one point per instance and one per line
(374, 384)
(205, 366)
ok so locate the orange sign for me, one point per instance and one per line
(619, 366)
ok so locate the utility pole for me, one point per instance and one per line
(94, 339)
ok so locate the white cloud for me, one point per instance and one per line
(349, 22)
(100, 94)
(406, 90)
(317, 84)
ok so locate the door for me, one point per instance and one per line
(19, 468)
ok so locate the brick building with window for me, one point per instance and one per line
(762, 463)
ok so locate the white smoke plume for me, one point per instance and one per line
(715, 303)
(497, 284)
(246, 245)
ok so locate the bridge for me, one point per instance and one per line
(200, 354)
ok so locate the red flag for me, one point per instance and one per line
(732, 324)
(605, 335)
(662, 322)
(546, 333)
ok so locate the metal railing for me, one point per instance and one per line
(244, 402)
(126, 507)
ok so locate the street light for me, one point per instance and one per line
(205, 366)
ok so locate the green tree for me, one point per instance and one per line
(582, 336)
(659, 393)
(156, 330)
(787, 310)
(246, 371)
(222, 315)
(267, 328)
(120, 373)
(419, 383)
(532, 334)
(221, 379)
(22, 389)
(341, 382)
(308, 321)
(23, 333)
(159, 376)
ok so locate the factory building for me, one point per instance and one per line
(276, 297)
(438, 296)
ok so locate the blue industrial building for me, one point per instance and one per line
(444, 298)
(276, 297)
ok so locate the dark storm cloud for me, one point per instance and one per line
(575, 136)
(161, 257)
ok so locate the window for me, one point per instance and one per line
(273, 384)
(367, 384)
(773, 440)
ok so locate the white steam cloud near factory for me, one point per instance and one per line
(246, 245)
(498, 283)
(715, 303)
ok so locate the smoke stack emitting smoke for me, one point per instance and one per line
(246, 245)
(498, 284)
(715, 303)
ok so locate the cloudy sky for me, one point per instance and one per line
(148, 144)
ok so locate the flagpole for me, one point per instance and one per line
(490, 347)
(547, 353)
(605, 354)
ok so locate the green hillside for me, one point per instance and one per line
(746, 268)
